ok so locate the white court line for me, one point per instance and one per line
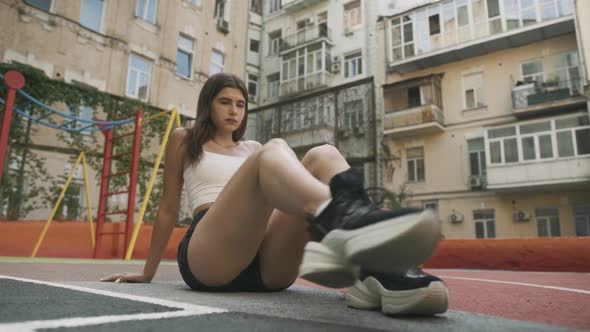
(581, 291)
(186, 310)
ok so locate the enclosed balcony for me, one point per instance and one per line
(307, 36)
(309, 122)
(413, 107)
(542, 154)
(456, 30)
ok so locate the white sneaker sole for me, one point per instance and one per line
(371, 295)
(388, 246)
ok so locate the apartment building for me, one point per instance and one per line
(159, 52)
(317, 60)
(486, 114)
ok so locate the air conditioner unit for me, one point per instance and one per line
(456, 217)
(475, 182)
(521, 216)
(222, 25)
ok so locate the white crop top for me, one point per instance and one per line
(205, 180)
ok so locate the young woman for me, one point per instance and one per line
(256, 206)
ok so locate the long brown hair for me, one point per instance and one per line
(204, 129)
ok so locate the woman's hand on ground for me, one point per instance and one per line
(127, 277)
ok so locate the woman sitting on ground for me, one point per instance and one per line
(262, 218)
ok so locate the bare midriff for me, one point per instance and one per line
(201, 208)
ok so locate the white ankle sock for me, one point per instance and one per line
(322, 207)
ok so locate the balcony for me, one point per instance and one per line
(306, 36)
(551, 154)
(297, 5)
(307, 123)
(305, 84)
(537, 98)
(413, 107)
(428, 37)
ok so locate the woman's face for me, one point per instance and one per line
(228, 109)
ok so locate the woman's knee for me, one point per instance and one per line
(273, 148)
(279, 281)
(320, 154)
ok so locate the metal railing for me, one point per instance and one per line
(413, 116)
(537, 93)
(305, 83)
(304, 36)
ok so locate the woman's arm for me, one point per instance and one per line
(167, 210)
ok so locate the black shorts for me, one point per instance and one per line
(249, 280)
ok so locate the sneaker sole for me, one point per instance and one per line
(388, 246)
(323, 266)
(371, 295)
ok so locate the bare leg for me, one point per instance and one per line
(231, 233)
(286, 235)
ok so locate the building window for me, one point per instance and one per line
(473, 90)
(41, 4)
(477, 157)
(536, 140)
(352, 14)
(415, 164)
(582, 219)
(217, 61)
(503, 145)
(414, 97)
(434, 24)
(402, 38)
(353, 64)
(573, 136)
(566, 70)
(256, 6)
(138, 77)
(547, 222)
(432, 205)
(252, 86)
(275, 5)
(219, 8)
(91, 14)
(532, 71)
(273, 85)
(146, 10)
(494, 17)
(485, 224)
(184, 56)
(254, 45)
(274, 42)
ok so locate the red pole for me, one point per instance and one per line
(14, 81)
(133, 174)
(104, 187)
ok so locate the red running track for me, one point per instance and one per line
(553, 298)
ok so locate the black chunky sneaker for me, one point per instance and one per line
(413, 292)
(352, 231)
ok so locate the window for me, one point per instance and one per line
(84, 113)
(353, 64)
(414, 97)
(532, 71)
(254, 45)
(566, 70)
(415, 164)
(402, 38)
(434, 24)
(252, 86)
(275, 5)
(536, 140)
(582, 220)
(184, 56)
(217, 61)
(573, 136)
(503, 145)
(91, 14)
(494, 18)
(146, 10)
(256, 6)
(547, 222)
(477, 157)
(41, 4)
(473, 90)
(138, 77)
(485, 224)
(219, 8)
(432, 205)
(273, 85)
(463, 28)
(352, 14)
(274, 42)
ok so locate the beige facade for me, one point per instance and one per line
(486, 120)
(157, 51)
